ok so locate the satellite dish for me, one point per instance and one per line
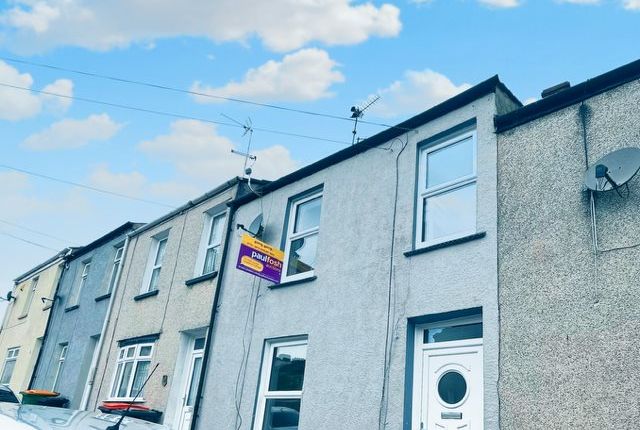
(613, 170)
(255, 228)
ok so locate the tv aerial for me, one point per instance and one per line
(613, 171)
(357, 112)
(248, 130)
(256, 227)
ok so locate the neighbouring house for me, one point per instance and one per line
(68, 356)
(569, 271)
(163, 306)
(25, 321)
(386, 315)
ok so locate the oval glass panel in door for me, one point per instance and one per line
(452, 388)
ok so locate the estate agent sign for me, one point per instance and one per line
(260, 259)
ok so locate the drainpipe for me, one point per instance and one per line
(65, 266)
(214, 311)
(98, 350)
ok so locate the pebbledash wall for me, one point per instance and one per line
(78, 315)
(570, 326)
(343, 310)
(174, 313)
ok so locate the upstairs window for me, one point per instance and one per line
(132, 369)
(301, 241)
(212, 245)
(9, 365)
(115, 269)
(158, 247)
(77, 291)
(446, 198)
(31, 290)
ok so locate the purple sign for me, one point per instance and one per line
(260, 259)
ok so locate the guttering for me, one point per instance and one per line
(466, 97)
(214, 311)
(568, 97)
(86, 394)
(45, 265)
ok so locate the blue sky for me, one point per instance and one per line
(321, 56)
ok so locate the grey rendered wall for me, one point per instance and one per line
(569, 319)
(175, 309)
(78, 326)
(344, 311)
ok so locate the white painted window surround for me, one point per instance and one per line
(281, 384)
(301, 242)
(210, 249)
(446, 205)
(61, 360)
(9, 365)
(30, 292)
(77, 290)
(154, 262)
(132, 369)
(117, 260)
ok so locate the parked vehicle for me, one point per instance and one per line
(7, 396)
(14, 416)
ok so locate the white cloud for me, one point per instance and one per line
(501, 3)
(631, 4)
(282, 25)
(302, 76)
(73, 133)
(17, 104)
(417, 91)
(199, 152)
(579, 1)
(530, 100)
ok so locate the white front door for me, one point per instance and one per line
(448, 377)
(194, 370)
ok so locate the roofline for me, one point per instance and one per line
(464, 98)
(118, 231)
(192, 203)
(59, 256)
(565, 98)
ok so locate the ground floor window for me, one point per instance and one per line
(132, 369)
(281, 382)
(61, 360)
(9, 365)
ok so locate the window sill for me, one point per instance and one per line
(201, 278)
(102, 297)
(291, 283)
(145, 295)
(446, 244)
(71, 308)
(21, 317)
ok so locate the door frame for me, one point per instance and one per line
(187, 358)
(419, 347)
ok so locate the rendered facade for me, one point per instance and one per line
(26, 319)
(73, 344)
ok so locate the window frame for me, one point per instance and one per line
(136, 359)
(151, 263)
(77, 290)
(423, 192)
(15, 352)
(210, 218)
(61, 360)
(290, 236)
(265, 374)
(115, 268)
(26, 307)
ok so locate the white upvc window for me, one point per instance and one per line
(446, 197)
(117, 261)
(75, 296)
(211, 245)
(158, 248)
(9, 365)
(281, 385)
(301, 243)
(132, 369)
(31, 290)
(61, 360)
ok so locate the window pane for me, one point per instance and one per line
(145, 351)
(449, 213)
(287, 368)
(302, 255)
(141, 374)
(155, 274)
(8, 371)
(131, 351)
(450, 163)
(308, 215)
(446, 334)
(199, 344)
(281, 414)
(119, 253)
(114, 275)
(114, 390)
(195, 379)
(210, 260)
(216, 230)
(160, 252)
(126, 377)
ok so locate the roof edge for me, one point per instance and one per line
(118, 231)
(576, 94)
(59, 256)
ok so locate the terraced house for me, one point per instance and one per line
(73, 343)
(163, 305)
(25, 321)
(386, 315)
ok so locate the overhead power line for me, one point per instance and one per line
(168, 114)
(191, 92)
(33, 231)
(28, 241)
(88, 187)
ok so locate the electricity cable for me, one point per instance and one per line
(33, 231)
(28, 241)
